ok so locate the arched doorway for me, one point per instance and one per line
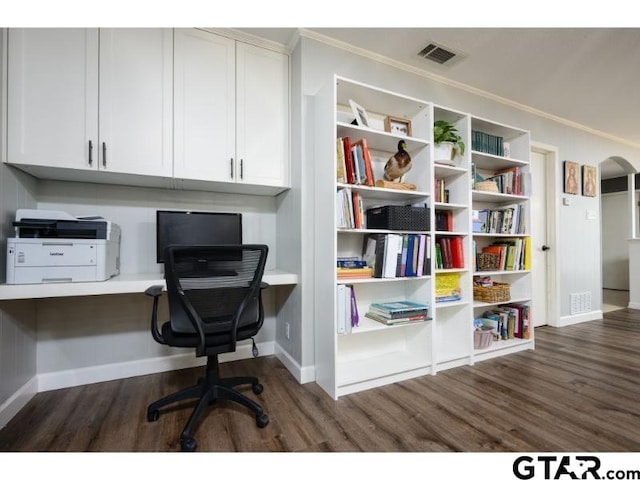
(618, 220)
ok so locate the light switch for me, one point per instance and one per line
(566, 201)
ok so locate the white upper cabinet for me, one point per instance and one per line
(263, 112)
(231, 111)
(53, 97)
(136, 101)
(91, 99)
(205, 106)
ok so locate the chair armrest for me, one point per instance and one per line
(154, 291)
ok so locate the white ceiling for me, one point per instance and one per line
(589, 76)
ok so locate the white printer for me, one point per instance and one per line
(53, 246)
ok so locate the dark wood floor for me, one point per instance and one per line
(579, 390)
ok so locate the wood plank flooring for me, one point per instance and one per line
(579, 390)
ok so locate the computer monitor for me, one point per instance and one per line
(196, 228)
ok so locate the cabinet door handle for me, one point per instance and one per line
(104, 154)
(231, 165)
(90, 153)
(241, 169)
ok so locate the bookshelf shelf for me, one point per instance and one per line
(368, 325)
(372, 354)
(502, 272)
(498, 345)
(459, 303)
(445, 171)
(389, 194)
(373, 280)
(445, 233)
(489, 197)
(449, 206)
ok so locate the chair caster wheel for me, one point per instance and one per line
(153, 415)
(188, 444)
(257, 388)
(262, 420)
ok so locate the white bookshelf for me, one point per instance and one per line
(372, 354)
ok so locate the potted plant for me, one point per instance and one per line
(448, 143)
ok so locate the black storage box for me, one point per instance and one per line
(398, 217)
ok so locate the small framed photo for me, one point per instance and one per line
(588, 181)
(398, 126)
(571, 178)
(361, 114)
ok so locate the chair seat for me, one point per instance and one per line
(214, 339)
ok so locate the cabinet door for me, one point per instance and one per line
(262, 133)
(53, 97)
(204, 106)
(136, 85)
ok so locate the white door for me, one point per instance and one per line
(540, 212)
(136, 101)
(205, 106)
(53, 97)
(262, 111)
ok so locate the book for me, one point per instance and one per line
(401, 306)
(457, 254)
(348, 160)
(341, 169)
(355, 318)
(393, 250)
(366, 162)
(350, 263)
(341, 317)
(395, 321)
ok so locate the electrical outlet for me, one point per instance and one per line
(287, 330)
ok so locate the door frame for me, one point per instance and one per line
(554, 186)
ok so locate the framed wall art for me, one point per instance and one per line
(588, 181)
(571, 177)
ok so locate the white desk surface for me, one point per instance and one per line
(125, 283)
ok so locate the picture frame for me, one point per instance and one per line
(571, 177)
(360, 113)
(398, 126)
(589, 184)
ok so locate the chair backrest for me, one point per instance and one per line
(214, 288)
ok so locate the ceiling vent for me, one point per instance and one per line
(439, 54)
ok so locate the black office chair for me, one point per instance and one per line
(214, 294)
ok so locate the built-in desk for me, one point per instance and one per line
(125, 283)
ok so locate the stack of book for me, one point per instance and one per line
(349, 268)
(394, 313)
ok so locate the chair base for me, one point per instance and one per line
(208, 391)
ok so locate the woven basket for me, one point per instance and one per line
(486, 262)
(487, 186)
(499, 292)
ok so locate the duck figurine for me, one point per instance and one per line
(398, 164)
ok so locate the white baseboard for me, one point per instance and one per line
(114, 371)
(583, 317)
(18, 400)
(634, 306)
(301, 374)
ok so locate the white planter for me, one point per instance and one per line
(444, 153)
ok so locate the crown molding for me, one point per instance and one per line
(249, 38)
(461, 86)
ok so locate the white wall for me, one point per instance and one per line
(615, 244)
(17, 319)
